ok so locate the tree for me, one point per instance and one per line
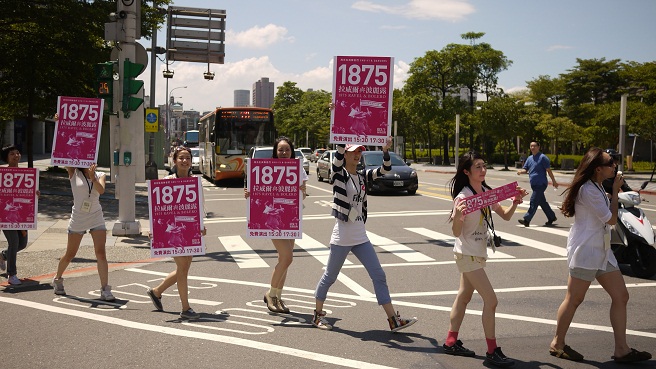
(44, 57)
(500, 115)
(547, 93)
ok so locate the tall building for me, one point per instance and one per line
(242, 97)
(263, 93)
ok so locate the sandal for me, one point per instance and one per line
(632, 357)
(566, 353)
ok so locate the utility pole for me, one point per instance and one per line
(128, 124)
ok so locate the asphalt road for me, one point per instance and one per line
(413, 242)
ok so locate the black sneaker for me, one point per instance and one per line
(523, 222)
(499, 359)
(551, 222)
(458, 350)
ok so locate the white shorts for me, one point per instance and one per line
(468, 263)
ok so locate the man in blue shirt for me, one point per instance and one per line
(537, 166)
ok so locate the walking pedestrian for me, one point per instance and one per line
(282, 149)
(182, 158)
(16, 239)
(87, 185)
(589, 255)
(473, 233)
(537, 166)
(349, 233)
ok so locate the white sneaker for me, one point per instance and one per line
(58, 285)
(13, 280)
(106, 294)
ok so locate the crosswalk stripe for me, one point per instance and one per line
(561, 251)
(316, 249)
(450, 239)
(402, 251)
(550, 230)
(242, 253)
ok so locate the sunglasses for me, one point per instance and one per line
(609, 163)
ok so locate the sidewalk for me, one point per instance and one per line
(47, 243)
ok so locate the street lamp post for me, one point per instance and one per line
(168, 112)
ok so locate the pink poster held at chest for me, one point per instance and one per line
(176, 208)
(274, 203)
(77, 132)
(18, 199)
(362, 94)
(489, 197)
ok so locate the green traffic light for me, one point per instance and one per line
(131, 86)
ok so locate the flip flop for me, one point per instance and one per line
(632, 357)
(566, 353)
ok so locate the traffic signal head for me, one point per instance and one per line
(131, 86)
(105, 83)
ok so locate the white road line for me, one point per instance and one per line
(316, 249)
(421, 213)
(447, 309)
(505, 260)
(550, 230)
(561, 251)
(242, 253)
(450, 239)
(402, 251)
(230, 340)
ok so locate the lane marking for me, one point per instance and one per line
(411, 213)
(402, 251)
(316, 249)
(230, 340)
(390, 265)
(242, 253)
(450, 239)
(431, 307)
(561, 251)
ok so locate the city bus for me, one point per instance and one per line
(227, 134)
(190, 139)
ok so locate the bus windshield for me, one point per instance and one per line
(239, 129)
(191, 138)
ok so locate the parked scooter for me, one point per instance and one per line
(632, 239)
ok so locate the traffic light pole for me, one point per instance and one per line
(128, 126)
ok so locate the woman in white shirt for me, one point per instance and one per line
(589, 255)
(470, 252)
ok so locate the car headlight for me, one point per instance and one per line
(413, 174)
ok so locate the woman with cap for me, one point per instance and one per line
(349, 233)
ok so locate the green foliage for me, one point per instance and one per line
(298, 112)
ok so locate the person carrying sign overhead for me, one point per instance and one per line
(472, 232)
(349, 233)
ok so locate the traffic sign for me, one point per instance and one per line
(152, 120)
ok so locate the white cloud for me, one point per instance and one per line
(559, 47)
(259, 37)
(451, 10)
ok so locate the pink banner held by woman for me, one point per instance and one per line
(18, 200)
(362, 94)
(77, 132)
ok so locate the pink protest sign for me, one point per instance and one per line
(274, 207)
(176, 208)
(77, 133)
(489, 197)
(18, 199)
(362, 94)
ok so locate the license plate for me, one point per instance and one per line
(398, 183)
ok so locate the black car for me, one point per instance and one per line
(401, 178)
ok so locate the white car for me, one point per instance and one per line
(307, 152)
(306, 163)
(195, 160)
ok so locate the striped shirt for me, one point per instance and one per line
(339, 176)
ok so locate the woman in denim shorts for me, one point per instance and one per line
(87, 186)
(589, 255)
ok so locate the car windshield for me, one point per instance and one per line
(263, 154)
(375, 158)
(194, 152)
(298, 154)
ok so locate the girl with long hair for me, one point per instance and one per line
(589, 255)
(283, 148)
(472, 233)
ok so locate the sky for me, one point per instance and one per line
(296, 40)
